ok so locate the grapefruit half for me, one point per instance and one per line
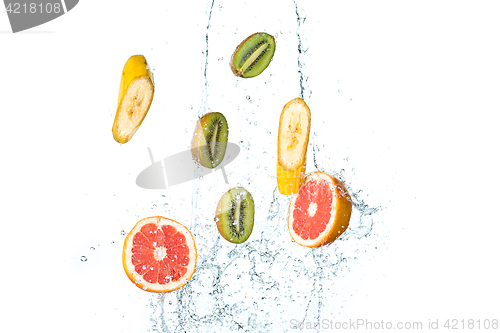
(159, 254)
(320, 211)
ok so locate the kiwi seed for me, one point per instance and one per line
(235, 215)
(210, 139)
(253, 55)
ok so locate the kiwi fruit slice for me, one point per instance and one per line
(234, 215)
(253, 55)
(209, 143)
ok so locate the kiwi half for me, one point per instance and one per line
(209, 143)
(234, 215)
(253, 55)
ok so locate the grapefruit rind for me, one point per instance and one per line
(341, 209)
(136, 278)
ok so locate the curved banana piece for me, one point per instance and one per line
(134, 98)
(293, 138)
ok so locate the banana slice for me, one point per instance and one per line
(134, 99)
(293, 134)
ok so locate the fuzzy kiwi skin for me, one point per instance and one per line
(196, 142)
(233, 68)
(218, 212)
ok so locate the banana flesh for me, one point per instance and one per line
(134, 98)
(293, 134)
(293, 138)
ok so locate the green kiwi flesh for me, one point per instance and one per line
(253, 55)
(213, 141)
(237, 215)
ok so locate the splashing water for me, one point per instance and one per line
(305, 91)
(264, 283)
(204, 66)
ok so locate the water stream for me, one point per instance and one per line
(268, 282)
(259, 286)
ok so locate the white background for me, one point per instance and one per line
(411, 91)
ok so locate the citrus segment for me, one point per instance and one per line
(159, 254)
(320, 211)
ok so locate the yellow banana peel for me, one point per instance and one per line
(134, 98)
(289, 181)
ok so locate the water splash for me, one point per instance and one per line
(251, 286)
(203, 106)
(204, 66)
(264, 283)
(305, 90)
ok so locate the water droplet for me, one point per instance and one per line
(144, 266)
(123, 233)
(145, 288)
(83, 258)
(154, 243)
(92, 248)
(255, 123)
(268, 132)
(248, 97)
(216, 219)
